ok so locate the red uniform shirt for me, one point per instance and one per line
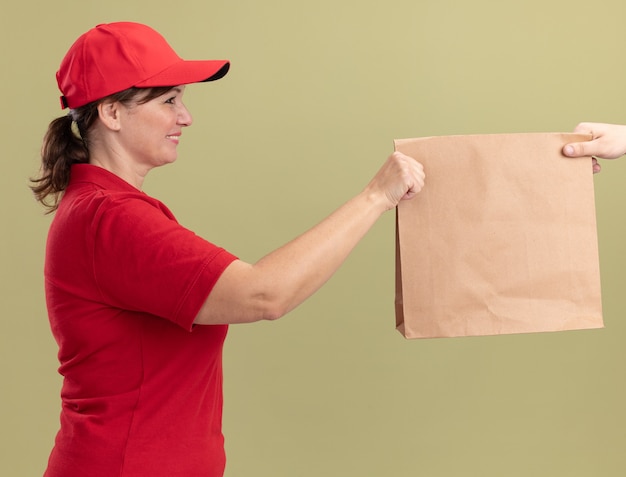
(142, 386)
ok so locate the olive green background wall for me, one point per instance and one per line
(317, 92)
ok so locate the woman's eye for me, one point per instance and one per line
(170, 100)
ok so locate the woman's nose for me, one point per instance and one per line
(184, 117)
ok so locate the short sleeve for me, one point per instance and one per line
(145, 261)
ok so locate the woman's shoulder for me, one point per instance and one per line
(91, 206)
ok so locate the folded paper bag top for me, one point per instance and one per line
(502, 238)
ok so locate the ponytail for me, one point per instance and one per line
(61, 148)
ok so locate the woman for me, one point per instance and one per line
(138, 304)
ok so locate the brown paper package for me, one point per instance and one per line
(502, 238)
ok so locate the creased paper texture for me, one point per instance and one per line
(502, 238)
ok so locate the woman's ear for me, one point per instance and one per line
(109, 114)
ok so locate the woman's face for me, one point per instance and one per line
(150, 132)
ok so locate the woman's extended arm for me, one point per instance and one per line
(283, 279)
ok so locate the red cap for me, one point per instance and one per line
(116, 56)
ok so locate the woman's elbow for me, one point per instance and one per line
(272, 309)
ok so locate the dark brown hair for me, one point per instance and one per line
(67, 142)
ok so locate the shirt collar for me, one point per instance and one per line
(100, 177)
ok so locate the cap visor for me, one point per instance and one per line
(188, 71)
